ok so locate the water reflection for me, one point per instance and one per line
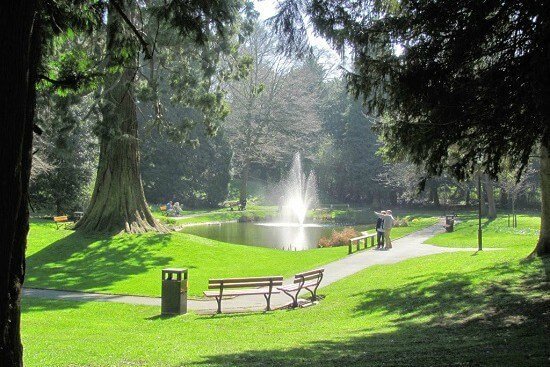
(284, 236)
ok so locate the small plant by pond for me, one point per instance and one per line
(338, 238)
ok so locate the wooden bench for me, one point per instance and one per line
(163, 208)
(357, 240)
(62, 219)
(243, 286)
(309, 281)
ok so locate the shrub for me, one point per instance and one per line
(401, 222)
(338, 238)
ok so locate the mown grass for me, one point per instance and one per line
(496, 233)
(456, 309)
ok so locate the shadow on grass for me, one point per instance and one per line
(438, 321)
(94, 262)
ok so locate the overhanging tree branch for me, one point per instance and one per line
(144, 44)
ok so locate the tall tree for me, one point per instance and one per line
(26, 31)
(118, 201)
(349, 174)
(471, 77)
(19, 53)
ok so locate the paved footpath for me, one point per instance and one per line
(407, 247)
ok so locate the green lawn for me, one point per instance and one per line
(457, 309)
(496, 233)
(131, 264)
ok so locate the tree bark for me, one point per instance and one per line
(19, 57)
(118, 202)
(543, 245)
(491, 209)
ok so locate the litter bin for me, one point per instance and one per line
(174, 291)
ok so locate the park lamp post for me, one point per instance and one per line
(479, 230)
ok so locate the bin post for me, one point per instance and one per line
(174, 291)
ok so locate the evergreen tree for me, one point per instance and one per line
(28, 30)
(461, 84)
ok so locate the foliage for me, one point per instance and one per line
(274, 110)
(68, 147)
(466, 88)
(338, 238)
(194, 176)
(347, 164)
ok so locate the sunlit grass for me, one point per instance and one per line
(496, 233)
(457, 309)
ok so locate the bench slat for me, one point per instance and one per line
(244, 292)
(243, 280)
(244, 285)
(62, 218)
(362, 237)
(306, 273)
(293, 287)
(309, 277)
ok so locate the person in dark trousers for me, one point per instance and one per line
(380, 232)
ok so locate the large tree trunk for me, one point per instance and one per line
(118, 202)
(19, 57)
(543, 245)
(491, 209)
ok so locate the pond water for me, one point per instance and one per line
(284, 236)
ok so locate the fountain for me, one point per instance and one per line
(299, 193)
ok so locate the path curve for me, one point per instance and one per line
(407, 247)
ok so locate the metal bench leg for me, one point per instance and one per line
(294, 298)
(268, 300)
(219, 301)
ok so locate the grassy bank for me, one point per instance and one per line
(445, 310)
(496, 233)
(131, 264)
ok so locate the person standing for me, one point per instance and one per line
(380, 232)
(388, 225)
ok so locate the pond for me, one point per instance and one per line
(283, 236)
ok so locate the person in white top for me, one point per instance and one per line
(388, 224)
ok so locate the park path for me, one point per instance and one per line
(407, 247)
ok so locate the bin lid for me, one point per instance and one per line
(175, 270)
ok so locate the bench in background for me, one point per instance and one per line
(61, 219)
(357, 240)
(243, 287)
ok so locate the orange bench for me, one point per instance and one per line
(62, 219)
